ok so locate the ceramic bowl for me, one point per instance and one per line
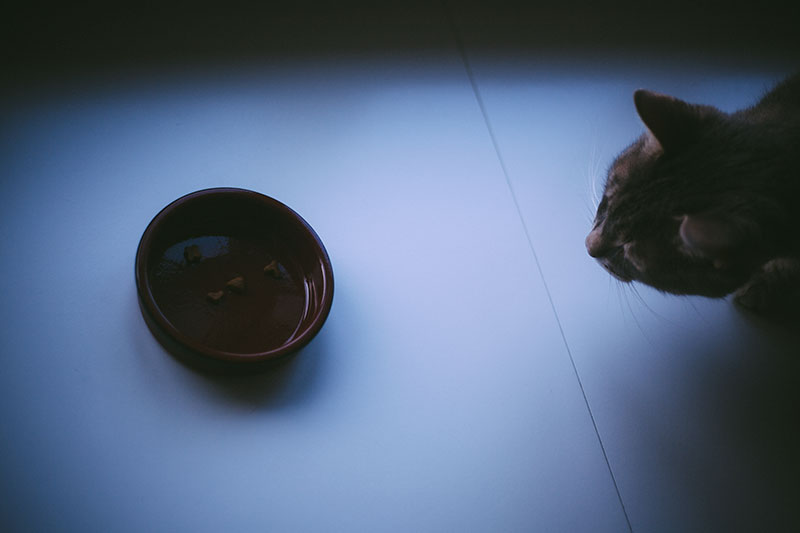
(230, 280)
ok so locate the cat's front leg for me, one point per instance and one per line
(773, 289)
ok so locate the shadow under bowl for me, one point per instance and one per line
(232, 281)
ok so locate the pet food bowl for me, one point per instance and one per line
(232, 281)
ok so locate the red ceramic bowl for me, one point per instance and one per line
(230, 280)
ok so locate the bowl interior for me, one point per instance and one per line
(233, 273)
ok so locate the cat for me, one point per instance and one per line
(707, 202)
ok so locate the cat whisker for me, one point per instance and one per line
(644, 304)
(694, 307)
(596, 196)
(621, 295)
(590, 212)
(638, 295)
(630, 308)
(594, 172)
(636, 319)
(591, 176)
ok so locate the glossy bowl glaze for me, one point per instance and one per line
(233, 281)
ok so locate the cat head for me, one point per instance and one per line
(678, 211)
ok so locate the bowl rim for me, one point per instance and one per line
(149, 306)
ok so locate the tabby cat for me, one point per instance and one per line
(707, 202)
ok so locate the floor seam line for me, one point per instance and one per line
(504, 169)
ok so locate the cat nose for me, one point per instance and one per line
(595, 244)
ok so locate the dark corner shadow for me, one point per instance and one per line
(784, 324)
(61, 39)
(745, 397)
(763, 416)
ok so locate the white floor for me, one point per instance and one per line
(478, 372)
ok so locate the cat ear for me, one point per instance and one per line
(709, 236)
(672, 122)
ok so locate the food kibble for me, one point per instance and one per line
(192, 254)
(215, 297)
(236, 284)
(272, 270)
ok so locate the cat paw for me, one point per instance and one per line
(774, 290)
(755, 297)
